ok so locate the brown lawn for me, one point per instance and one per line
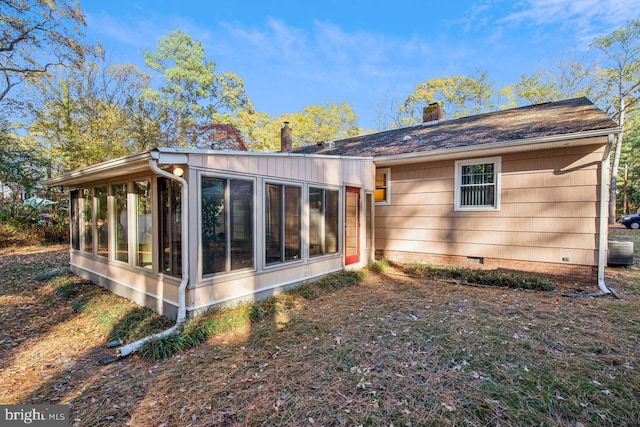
(392, 350)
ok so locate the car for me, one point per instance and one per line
(630, 221)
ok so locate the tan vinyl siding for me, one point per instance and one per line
(548, 211)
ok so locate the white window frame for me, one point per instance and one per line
(497, 169)
(387, 200)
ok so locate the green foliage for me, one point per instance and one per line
(21, 225)
(628, 198)
(192, 91)
(313, 124)
(90, 114)
(620, 73)
(22, 162)
(459, 96)
(532, 89)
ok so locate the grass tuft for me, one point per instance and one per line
(50, 274)
(200, 328)
(378, 266)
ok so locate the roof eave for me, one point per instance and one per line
(491, 149)
(130, 164)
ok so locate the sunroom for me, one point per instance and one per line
(182, 231)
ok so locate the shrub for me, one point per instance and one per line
(517, 280)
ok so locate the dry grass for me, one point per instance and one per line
(390, 350)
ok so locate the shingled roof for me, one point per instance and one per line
(535, 121)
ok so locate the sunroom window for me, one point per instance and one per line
(227, 224)
(102, 221)
(121, 228)
(170, 235)
(75, 219)
(88, 219)
(282, 223)
(323, 221)
(144, 244)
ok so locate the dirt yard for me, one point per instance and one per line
(392, 350)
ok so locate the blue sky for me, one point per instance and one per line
(291, 54)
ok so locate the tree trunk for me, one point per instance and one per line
(616, 166)
(625, 199)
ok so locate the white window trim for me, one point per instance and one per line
(387, 200)
(497, 161)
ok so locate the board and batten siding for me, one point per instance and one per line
(313, 169)
(548, 214)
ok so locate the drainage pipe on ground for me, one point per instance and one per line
(182, 288)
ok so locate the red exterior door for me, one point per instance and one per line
(352, 225)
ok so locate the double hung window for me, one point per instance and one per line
(477, 184)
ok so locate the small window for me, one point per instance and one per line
(383, 186)
(477, 184)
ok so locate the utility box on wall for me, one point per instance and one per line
(620, 253)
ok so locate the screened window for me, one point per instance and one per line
(144, 254)
(75, 219)
(227, 224)
(88, 220)
(121, 228)
(323, 221)
(170, 217)
(382, 195)
(369, 221)
(102, 221)
(282, 223)
(477, 184)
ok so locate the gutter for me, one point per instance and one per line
(604, 214)
(182, 289)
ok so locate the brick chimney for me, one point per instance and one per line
(286, 138)
(432, 114)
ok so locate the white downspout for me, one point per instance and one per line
(604, 214)
(182, 288)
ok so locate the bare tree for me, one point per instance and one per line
(37, 35)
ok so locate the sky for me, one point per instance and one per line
(291, 54)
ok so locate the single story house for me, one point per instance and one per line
(182, 231)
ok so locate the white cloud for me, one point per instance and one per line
(584, 18)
